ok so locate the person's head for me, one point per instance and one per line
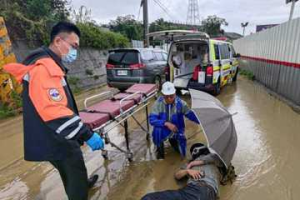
(64, 41)
(198, 149)
(176, 60)
(169, 92)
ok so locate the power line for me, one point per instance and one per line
(159, 3)
(138, 16)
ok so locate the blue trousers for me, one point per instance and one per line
(189, 192)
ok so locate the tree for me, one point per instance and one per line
(33, 19)
(212, 25)
(162, 25)
(128, 27)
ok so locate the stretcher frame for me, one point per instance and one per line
(122, 119)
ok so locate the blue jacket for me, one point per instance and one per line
(174, 113)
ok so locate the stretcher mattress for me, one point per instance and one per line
(102, 112)
(94, 120)
(111, 107)
(136, 98)
(143, 88)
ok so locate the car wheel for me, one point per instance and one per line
(217, 89)
(178, 92)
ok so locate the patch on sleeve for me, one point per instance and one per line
(55, 95)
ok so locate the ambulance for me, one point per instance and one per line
(196, 61)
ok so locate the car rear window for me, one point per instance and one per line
(159, 56)
(123, 57)
(147, 55)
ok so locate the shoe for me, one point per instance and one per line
(92, 180)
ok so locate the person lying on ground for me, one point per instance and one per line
(204, 173)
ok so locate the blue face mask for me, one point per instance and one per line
(71, 56)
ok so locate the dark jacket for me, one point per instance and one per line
(53, 129)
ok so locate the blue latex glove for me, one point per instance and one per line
(95, 142)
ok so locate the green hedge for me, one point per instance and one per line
(94, 36)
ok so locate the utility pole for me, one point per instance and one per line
(146, 22)
(292, 8)
(244, 25)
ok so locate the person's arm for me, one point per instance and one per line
(154, 118)
(195, 174)
(195, 163)
(50, 101)
(206, 160)
(188, 113)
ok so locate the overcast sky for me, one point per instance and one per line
(255, 12)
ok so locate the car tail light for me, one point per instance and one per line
(137, 66)
(109, 66)
(196, 72)
(209, 70)
(167, 70)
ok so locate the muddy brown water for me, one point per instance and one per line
(266, 160)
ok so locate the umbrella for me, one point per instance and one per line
(217, 125)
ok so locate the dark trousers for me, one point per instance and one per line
(190, 192)
(160, 152)
(73, 173)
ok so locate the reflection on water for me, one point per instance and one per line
(266, 158)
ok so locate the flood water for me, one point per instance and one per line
(266, 159)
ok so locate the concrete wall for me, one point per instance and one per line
(89, 68)
(273, 56)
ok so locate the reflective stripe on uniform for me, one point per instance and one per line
(63, 82)
(73, 133)
(26, 77)
(66, 124)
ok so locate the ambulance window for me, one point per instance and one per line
(225, 53)
(217, 52)
(233, 53)
(165, 56)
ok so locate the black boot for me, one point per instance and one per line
(160, 151)
(92, 180)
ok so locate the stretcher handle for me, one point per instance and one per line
(95, 96)
(128, 97)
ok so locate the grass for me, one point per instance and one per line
(12, 108)
(6, 111)
(247, 74)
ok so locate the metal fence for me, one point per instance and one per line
(273, 56)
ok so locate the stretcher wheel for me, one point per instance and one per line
(106, 140)
(129, 157)
(148, 137)
(104, 154)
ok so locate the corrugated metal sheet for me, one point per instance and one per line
(273, 56)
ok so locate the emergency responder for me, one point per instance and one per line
(167, 119)
(53, 130)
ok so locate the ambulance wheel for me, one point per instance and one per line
(217, 89)
(234, 79)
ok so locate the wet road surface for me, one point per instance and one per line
(266, 158)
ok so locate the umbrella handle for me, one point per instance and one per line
(233, 114)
